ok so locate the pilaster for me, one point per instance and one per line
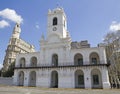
(87, 77)
(26, 78)
(105, 78)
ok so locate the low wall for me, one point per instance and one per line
(6, 81)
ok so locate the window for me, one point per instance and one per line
(94, 60)
(80, 80)
(55, 60)
(80, 61)
(33, 62)
(9, 61)
(54, 21)
(20, 64)
(95, 80)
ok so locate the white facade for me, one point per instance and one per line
(62, 63)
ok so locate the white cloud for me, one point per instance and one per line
(11, 14)
(37, 26)
(4, 23)
(115, 26)
(1, 66)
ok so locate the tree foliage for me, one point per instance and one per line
(10, 71)
(111, 36)
(112, 41)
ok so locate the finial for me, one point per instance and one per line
(59, 7)
(49, 10)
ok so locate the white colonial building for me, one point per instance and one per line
(62, 63)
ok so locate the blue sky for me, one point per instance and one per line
(87, 19)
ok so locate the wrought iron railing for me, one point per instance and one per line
(60, 65)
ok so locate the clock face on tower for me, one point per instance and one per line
(54, 28)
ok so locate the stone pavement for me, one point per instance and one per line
(38, 90)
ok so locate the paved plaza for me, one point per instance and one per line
(38, 90)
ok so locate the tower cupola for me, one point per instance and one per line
(57, 23)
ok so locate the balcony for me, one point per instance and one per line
(63, 65)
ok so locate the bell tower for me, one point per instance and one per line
(57, 23)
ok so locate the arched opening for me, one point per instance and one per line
(55, 60)
(78, 59)
(33, 62)
(79, 79)
(21, 78)
(96, 78)
(22, 62)
(55, 21)
(32, 79)
(94, 58)
(54, 79)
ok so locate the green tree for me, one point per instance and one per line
(10, 71)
